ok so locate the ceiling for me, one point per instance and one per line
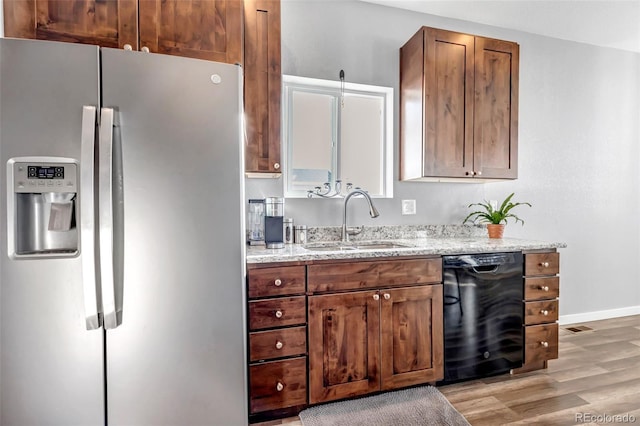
(608, 23)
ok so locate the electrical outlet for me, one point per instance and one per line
(408, 207)
(493, 204)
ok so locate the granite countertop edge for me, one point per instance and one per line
(416, 247)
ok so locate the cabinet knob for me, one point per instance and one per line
(544, 264)
(278, 314)
(278, 282)
(387, 296)
(544, 344)
(127, 47)
(279, 345)
(544, 312)
(544, 288)
(145, 49)
(276, 166)
(376, 297)
(479, 173)
(279, 386)
(469, 173)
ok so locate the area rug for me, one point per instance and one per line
(422, 406)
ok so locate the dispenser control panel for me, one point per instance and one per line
(45, 172)
(45, 177)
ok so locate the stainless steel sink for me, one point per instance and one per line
(357, 245)
(380, 245)
(331, 247)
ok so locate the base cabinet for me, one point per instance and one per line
(277, 338)
(322, 331)
(278, 384)
(344, 342)
(541, 292)
(411, 329)
(379, 339)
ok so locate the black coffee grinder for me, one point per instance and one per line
(273, 222)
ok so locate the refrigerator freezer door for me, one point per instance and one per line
(178, 355)
(52, 367)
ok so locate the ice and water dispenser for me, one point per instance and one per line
(42, 207)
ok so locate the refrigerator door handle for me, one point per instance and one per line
(92, 305)
(105, 221)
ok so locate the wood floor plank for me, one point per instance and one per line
(621, 364)
(548, 405)
(578, 372)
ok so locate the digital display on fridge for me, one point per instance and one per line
(45, 172)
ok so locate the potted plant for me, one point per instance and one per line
(495, 218)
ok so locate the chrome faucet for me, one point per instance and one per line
(373, 212)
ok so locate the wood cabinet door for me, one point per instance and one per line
(203, 29)
(412, 342)
(262, 85)
(496, 108)
(448, 104)
(344, 345)
(104, 23)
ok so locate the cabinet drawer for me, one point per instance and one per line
(541, 263)
(277, 343)
(277, 312)
(540, 311)
(288, 280)
(541, 343)
(278, 384)
(373, 274)
(541, 288)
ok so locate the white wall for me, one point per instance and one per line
(579, 141)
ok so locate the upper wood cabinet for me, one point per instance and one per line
(232, 31)
(262, 86)
(458, 107)
(205, 29)
(104, 23)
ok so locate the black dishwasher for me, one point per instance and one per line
(483, 315)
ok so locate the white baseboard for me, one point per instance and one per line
(599, 315)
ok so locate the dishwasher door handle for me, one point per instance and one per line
(483, 269)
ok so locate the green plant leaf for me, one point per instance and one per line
(495, 216)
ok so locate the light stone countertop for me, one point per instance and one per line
(440, 245)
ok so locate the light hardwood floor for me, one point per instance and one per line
(597, 374)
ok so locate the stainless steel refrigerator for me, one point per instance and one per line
(122, 252)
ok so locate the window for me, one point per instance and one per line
(331, 135)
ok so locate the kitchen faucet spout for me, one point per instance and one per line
(373, 212)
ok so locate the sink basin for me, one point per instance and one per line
(358, 245)
(379, 245)
(331, 247)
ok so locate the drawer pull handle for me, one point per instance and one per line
(544, 264)
(544, 312)
(544, 344)
(376, 297)
(278, 282)
(544, 288)
(278, 314)
(279, 386)
(387, 296)
(279, 345)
